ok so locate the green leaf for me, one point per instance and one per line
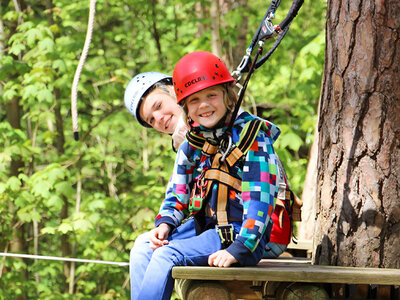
(3, 188)
(45, 95)
(47, 45)
(59, 64)
(32, 35)
(14, 184)
(96, 204)
(41, 188)
(9, 94)
(48, 230)
(17, 48)
(65, 227)
(82, 225)
(64, 188)
(55, 202)
(29, 92)
(291, 140)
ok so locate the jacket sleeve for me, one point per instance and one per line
(259, 190)
(174, 207)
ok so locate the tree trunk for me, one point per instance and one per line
(358, 207)
(216, 46)
(307, 225)
(242, 43)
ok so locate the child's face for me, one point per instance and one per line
(207, 107)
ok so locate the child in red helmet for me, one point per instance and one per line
(233, 231)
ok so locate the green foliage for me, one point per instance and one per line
(100, 193)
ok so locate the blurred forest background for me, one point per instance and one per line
(91, 199)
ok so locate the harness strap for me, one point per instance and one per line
(195, 140)
(248, 135)
(209, 149)
(222, 216)
(224, 178)
(234, 156)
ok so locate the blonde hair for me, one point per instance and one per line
(230, 99)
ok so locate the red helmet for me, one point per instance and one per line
(197, 71)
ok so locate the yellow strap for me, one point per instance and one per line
(223, 177)
(209, 149)
(195, 140)
(234, 156)
(222, 216)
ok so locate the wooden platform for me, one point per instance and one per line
(292, 270)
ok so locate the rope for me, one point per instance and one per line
(120, 264)
(74, 90)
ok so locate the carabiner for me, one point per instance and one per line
(243, 66)
(224, 154)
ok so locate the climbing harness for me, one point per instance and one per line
(223, 159)
(74, 89)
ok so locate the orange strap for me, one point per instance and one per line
(209, 149)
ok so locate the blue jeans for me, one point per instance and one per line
(150, 271)
(141, 254)
(273, 250)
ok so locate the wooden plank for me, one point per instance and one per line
(276, 270)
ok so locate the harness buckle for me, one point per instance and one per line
(225, 232)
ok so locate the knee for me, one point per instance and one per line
(167, 253)
(142, 239)
(141, 246)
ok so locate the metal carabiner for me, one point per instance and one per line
(243, 66)
(224, 154)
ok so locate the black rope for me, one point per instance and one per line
(265, 31)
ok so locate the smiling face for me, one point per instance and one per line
(160, 111)
(207, 106)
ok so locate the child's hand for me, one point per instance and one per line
(179, 134)
(221, 258)
(159, 235)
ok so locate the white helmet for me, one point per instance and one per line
(137, 87)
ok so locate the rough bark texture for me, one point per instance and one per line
(358, 206)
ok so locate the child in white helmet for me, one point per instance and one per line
(202, 84)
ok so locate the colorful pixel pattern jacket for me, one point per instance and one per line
(254, 205)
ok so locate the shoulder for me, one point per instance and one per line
(187, 154)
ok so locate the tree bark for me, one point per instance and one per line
(216, 46)
(358, 207)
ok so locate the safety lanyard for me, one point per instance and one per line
(266, 30)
